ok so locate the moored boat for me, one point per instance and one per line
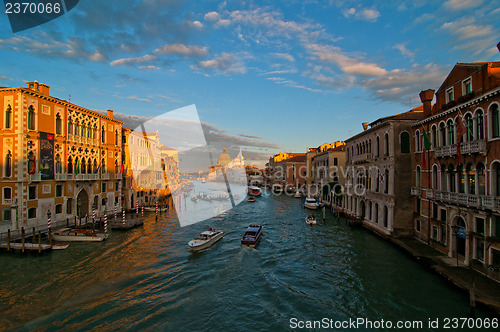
(251, 199)
(252, 236)
(254, 191)
(311, 203)
(70, 234)
(297, 194)
(277, 188)
(311, 220)
(205, 239)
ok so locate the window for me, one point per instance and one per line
(434, 136)
(116, 137)
(443, 215)
(451, 132)
(103, 166)
(7, 193)
(31, 118)
(386, 143)
(469, 124)
(435, 211)
(417, 225)
(443, 234)
(418, 205)
(442, 134)
(77, 128)
(103, 187)
(495, 121)
(59, 208)
(434, 233)
(417, 141)
(434, 177)
(452, 184)
(59, 189)
(376, 213)
(480, 225)
(58, 124)
(449, 95)
(69, 205)
(471, 180)
(70, 165)
(480, 124)
(480, 249)
(386, 216)
(32, 192)
(386, 191)
(405, 142)
(497, 184)
(461, 179)
(32, 213)
(418, 182)
(103, 134)
(378, 146)
(83, 166)
(467, 86)
(117, 185)
(8, 165)
(8, 115)
(335, 161)
(6, 215)
(70, 126)
(495, 231)
(481, 179)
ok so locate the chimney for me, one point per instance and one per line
(110, 113)
(39, 87)
(365, 125)
(426, 99)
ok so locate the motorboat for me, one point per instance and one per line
(205, 239)
(254, 191)
(277, 188)
(297, 194)
(203, 180)
(311, 220)
(311, 203)
(70, 234)
(251, 199)
(252, 236)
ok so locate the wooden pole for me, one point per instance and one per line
(33, 236)
(8, 240)
(22, 238)
(39, 242)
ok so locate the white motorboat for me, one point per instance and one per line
(254, 191)
(311, 203)
(70, 234)
(311, 220)
(205, 239)
(277, 188)
(251, 199)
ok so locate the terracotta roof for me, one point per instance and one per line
(338, 148)
(296, 159)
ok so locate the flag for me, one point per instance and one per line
(33, 165)
(123, 166)
(98, 167)
(461, 130)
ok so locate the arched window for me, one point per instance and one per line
(70, 126)
(70, 165)
(58, 163)
(94, 131)
(442, 134)
(370, 145)
(376, 213)
(89, 129)
(450, 128)
(103, 134)
(82, 133)
(8, 115)
(452, 184)
(497, 179)
(116, 137)
(58, 124)
(116, 167)
(31, 162)
(471, 180)
(481, 179)
(95, 166)
(84, 166)
(480, 124)
(443, 186)
(377, 146)
(434, 177)
(386, 216)
(8, 164)
(386, 191)
(89, 167)
(386, 143)
(405, 142)
(77, 166)
(434, 136)
(77, 127)
(103, 166)
(31, 118)
(469, 124)
(495, 121)
(461, 179)
(418, 179)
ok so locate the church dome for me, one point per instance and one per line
(224, 158)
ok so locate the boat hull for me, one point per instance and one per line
(311, 206)
(79, 238)
(205, 245)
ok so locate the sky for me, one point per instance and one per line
(264, 76)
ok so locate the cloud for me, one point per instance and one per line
(133, 61)
(466, 28)
(223, 64)
(180, 49)
(364, 14)
(137, 98)
(285, 56)
(402, 48)
(462, 4)
(149, 68)
(212, 17)
(250, 136)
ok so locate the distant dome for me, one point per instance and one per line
(224, 158)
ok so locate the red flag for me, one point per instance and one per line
(461, 130)
(123, 166)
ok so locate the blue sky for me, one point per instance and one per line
(266, 76)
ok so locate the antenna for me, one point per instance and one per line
(69, 98)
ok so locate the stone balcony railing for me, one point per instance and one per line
(468, 200)
(415, 191)
(476, 146)
(362, 158)
(35, 177)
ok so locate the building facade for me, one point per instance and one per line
(59, 159)
(456, 199)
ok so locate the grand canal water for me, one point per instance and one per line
(145, 278)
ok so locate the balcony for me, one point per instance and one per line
(468, 200)
(362, 158)
(414, 191)
(35, 177)
(105, 176)
(86, 177)
(477, 146)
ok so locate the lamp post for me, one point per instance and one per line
(455, 229)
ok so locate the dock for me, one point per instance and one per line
(25, 246)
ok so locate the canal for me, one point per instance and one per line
(145, 278)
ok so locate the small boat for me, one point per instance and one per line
(252, 236)
(254, 191)
(205, 239)
(203, 180)
(59, 246)
(311, 220)
(311, 203)
(251, 199)
(70, 234)
(297, 194)
(277, 188)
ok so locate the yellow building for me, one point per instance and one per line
(58, 158)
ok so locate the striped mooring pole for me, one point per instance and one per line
(137, 208)
(105, 222)
(123, 217)
(142, 212)
(115, 211)
(156, 210)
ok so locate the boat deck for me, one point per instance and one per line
(27, 246)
